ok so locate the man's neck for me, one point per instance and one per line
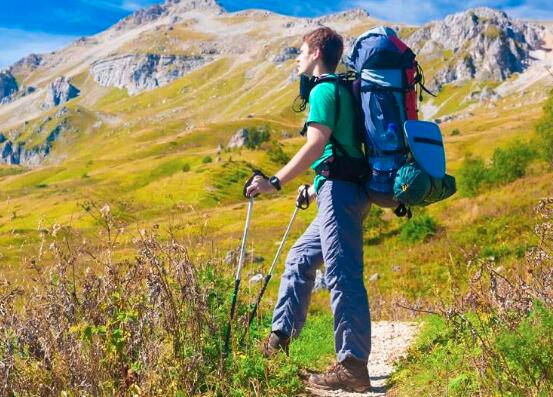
(320, 70)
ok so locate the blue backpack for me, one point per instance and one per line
(407, 171)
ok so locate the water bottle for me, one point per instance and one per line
(384, 164)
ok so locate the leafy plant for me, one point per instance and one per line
(277, 155)
(545, 131)
(418, 228)
(148, 326)
(455, 132)
(256, 136)
(472, 175)
(510, 163)
(495, 338)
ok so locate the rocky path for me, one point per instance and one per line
(390, 341)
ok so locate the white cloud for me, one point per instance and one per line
(17, 44)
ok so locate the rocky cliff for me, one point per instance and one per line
(8, 87)
(481, 43)
(137, 73)
(14, 150)
(59, 91)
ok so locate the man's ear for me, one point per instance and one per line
(316, 53)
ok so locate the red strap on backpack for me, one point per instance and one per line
(410, 94)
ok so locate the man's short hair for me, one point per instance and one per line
(329, 42)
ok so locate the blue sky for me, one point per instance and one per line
(44, 25)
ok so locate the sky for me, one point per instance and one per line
(40, 26)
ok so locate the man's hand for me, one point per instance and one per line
(306, 194)
(259, 185)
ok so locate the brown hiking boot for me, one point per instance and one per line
(275, 343)
(351, 375)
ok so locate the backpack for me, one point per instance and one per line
(388, 77)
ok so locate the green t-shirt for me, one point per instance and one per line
(322, 110)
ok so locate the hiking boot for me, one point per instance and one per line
(276, 342)
(351, 375)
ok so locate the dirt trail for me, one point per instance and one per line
(390, 341)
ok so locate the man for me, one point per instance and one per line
(335, 235)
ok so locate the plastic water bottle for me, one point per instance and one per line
(389, 143)
(384, 164)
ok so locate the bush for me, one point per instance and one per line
(545, 131)
(496, 337)
(207, 159)
(185, 167)
(151, 325)
(455, 132)
(277, 155)
(510, 163)
(418, 228)
(256, 136)
(472, 175)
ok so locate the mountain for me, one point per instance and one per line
(482, 44)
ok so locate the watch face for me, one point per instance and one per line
(275, 182)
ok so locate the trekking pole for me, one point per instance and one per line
(302, 202)
(241, 261)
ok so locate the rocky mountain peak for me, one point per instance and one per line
(188, 5)
(345, 16)
(31, 61)
(170, 7)
(480, 43)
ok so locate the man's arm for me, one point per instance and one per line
(317, 137)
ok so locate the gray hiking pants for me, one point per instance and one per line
(334, 238)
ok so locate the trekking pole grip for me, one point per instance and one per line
(302, 201)
(250, 180)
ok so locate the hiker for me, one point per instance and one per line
(335, 235)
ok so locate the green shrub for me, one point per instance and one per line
(528, 351)
(472, 175)
(496, 337)
(510, 163)
(418, 228)
(277, 155)
(256, 136)
(207, 159)
(185, 167)
(154, 325)
(455, 132)
(545, 131)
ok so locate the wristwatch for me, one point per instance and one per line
(275, 182)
